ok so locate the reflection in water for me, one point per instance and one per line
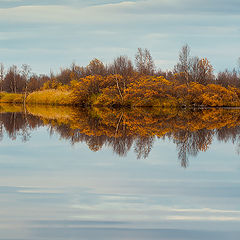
(191, 130)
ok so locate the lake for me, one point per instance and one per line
(151, 173)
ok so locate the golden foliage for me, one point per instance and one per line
(134, 91)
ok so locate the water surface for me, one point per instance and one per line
(119, 174)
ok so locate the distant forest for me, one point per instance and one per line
(124, 82)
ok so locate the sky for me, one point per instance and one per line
(50, 34)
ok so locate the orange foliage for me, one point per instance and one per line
(139, 90)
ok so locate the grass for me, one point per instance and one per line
(50, 97)
(46, 97)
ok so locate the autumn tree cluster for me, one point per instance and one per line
(124, 83)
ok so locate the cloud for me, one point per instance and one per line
(34, 14)
(100, 27)
(121, 12)
(204, 219)
(188, 7)
(62, 12)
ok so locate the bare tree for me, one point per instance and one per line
(144, 62)
(228, 78)
(64, 76)
(194, 69)
(123, 66)
(1, 75)
(184, 64)
(14, 70)
(12, 81)
(77, 71)
(26, 70)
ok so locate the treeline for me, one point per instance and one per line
(15, 80)
(122, 82)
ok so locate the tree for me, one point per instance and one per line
(65, 76)
(14, 71)
(144, 62)
(205, 71)
(228, 78)
(194, 70)
(26, 70)
(1, 75)
(123, 66)
(34, 83)
(84, 90)
(184, 64)
(77, 72)
(13, 81)
(96, 67)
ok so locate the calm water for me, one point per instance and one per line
(119, 174)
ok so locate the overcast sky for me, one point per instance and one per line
(49, 34)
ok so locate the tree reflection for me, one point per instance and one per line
(190, 143)
(143, 146)
(18, 125)
(123, 129)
